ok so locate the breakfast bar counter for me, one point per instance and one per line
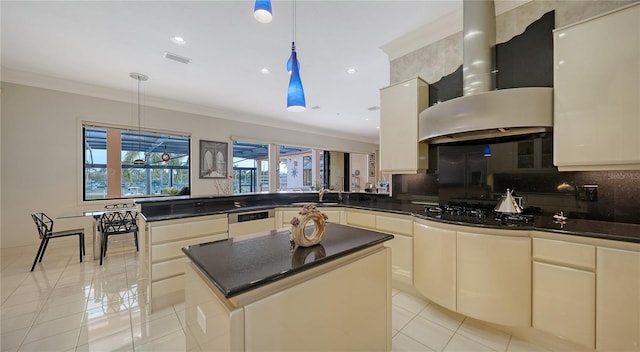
(256, 293)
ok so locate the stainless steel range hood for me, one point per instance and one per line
(483, 112)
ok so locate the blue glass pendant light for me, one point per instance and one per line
(290, 63)
(295, 93)
(487, 150)
(262, 11)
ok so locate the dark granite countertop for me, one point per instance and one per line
(189, 207)
(616, 231)
(239, 265)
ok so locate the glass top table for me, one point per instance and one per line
(95, 214)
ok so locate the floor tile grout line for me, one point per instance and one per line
(478, 342)
(178, 317)
(420, 343)
(454, 333)
(410, 320)
(508, 343)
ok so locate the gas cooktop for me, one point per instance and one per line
(481, 214)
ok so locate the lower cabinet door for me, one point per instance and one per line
(618, 300)
(401, 258)
(564, 302)
(434, 269)
(494, 277)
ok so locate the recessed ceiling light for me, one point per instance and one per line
(265, 71)
(378, 127)
(178, 40)
(351, 71)
(366, 119)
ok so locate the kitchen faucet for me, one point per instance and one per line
(321, 194)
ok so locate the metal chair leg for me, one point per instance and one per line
(37, 255)
(102, 247)
(80, 246)
(46, 243)
(135, 236)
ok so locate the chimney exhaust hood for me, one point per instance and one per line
(483, 112)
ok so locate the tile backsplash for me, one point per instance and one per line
(608, 195)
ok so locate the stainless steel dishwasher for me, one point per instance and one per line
(251, 222)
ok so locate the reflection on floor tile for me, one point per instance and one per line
(461, 343)
(496, 340)
(65, 305)
(517, 345)
(428, 333)
(435, 328)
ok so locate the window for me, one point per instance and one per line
(307, 170)
(299, 168)
(111, 169)
(250, 167)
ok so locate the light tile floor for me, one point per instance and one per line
(419, 325)
(65, 305)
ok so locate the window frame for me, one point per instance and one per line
(82, 150)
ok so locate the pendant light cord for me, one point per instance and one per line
(294, 21)
(139, 130)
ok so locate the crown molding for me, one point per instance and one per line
(438, 29)
(47, 82)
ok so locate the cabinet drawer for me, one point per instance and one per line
(166, 286)
(361, 219)
(334, 216)
(176, 231)
(568, 253)
(167, 269)
(394, 225)
(287, 215)
(254, 226)
(171, 250)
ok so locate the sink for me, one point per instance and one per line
(304, 203)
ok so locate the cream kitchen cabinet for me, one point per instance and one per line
(284, 215)
(361, 218)
(494, 275)
(400, 104)
(401, 227)
(434, 266)
(618, 300)
(597, 93)
(564, 290)
(164, 258)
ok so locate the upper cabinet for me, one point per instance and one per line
(400, 104)
(597, 93)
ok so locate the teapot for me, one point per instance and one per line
(508, 204)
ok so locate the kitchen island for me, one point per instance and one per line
(255, 293)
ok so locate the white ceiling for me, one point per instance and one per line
(99, 43)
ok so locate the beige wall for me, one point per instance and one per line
(42, 151)
(443, 57)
